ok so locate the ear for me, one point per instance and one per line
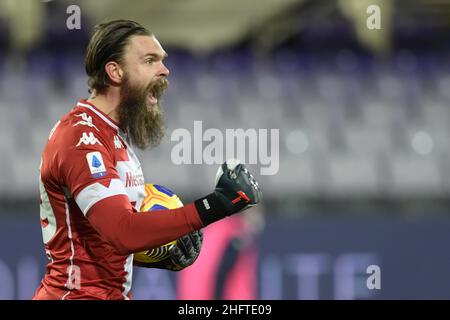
(114, 72)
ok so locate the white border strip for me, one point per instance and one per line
(95, 192)
(129, 270)
(69, 234)
(99, 114)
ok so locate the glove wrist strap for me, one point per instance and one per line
(210, 209)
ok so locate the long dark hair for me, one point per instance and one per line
(107, 44)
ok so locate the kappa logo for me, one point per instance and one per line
(88, 139)
(86, 121)
(117, 143)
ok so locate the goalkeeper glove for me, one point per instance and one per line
(184, 253)
(236, 190)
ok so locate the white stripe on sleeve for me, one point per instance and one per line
(96, 192)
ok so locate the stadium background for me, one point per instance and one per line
(364, 120)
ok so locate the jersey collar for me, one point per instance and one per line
(84, 103)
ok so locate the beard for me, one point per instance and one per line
(144, 123)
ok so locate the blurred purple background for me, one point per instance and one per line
(364, 122)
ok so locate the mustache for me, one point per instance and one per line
(159, 87)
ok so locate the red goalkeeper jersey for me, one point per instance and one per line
(87, 160)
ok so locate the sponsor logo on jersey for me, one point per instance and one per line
(85, 121)
(133, 180)
(88, 139)
(117, 143)
(96, 164)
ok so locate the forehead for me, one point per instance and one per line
(143, 45)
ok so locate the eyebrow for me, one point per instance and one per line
(157, 56)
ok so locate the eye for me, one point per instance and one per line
(149, 61)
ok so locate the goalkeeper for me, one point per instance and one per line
(91, 181)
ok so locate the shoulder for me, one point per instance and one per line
(79, 129)
(77, 137)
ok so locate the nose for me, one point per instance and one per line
(164, 70)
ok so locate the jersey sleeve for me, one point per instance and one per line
(86, 168)
(128, 231)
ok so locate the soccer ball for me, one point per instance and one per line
(157, 197)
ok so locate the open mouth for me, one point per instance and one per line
(151, 98)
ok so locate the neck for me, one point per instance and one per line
(107, 102)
